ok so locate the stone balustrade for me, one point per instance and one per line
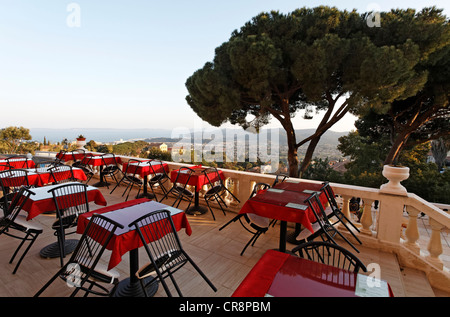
(391, 227)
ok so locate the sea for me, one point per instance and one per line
(98, 135)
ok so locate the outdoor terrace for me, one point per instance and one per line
(414, 261)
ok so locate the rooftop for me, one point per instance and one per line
(216, 253)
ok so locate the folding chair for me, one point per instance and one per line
(253, 223)
(62, 174)
(162, 244)
(330, 254)
(83, 271)
(13, 223)
(70, 201)
(179, 189)
(130, 179)
(336, 211)
(216, 189)
(11, 181)
(322, 227)
(158, 176)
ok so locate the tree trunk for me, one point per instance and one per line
(292, 153)
(396, 148)
(308, 156)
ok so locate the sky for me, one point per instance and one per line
(124, 64)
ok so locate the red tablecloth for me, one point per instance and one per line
(282, 275)
(284, 205)
(144, 168)
(128, 239)
(97, 160)
(39, 177)
(18, 163)
(43, 201)
(70, 156)
(198, 179)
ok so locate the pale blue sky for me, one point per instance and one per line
(127, 64)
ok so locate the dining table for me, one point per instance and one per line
(71, 156)
(17, 163)
(198, 179)
(278, 274)
(40, 176)
(144, 169)
(127, 240)
(101, 162)
(42, 202)
(286, 205)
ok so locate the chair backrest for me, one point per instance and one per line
(185, 173)
(257, 187)
(160, 239)
(213, 176)
(4, 167)
(14, 179)
(330, 254)
(90, 248)
(109, 159)
(14, 208)
(132, 167)
(18, 161)
(159, 170)
(280, 178)
(62, 173)
(70, 201)
(326, 188)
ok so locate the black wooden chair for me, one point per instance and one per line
(10, 182)
(216, 189)
(252, 223)
(70, 201)
(130, 179)
(18, 161)
(111, 168)
(62, 174)
(330, 254)
(158, 177)
(322, 228)
(179, 189)
(162, 244)
(83, 271)
(84, 164)
(15, 225)
(337, 212)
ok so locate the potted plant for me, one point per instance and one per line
(395, 174)
(81, 141)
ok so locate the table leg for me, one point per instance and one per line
(196, 209)
(283, 229)
(291, 237)
(102, 182)
(145, 193)
(131, 287)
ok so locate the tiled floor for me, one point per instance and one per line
(216, 253)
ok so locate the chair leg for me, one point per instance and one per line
(25, 252)
(210, 209)
(199, 271)
(232, 220)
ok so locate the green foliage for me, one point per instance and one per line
(157, 154)
(11, 139)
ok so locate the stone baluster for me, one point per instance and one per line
(346, 206)
(366, 218)
(412, 230)
(435, 244)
